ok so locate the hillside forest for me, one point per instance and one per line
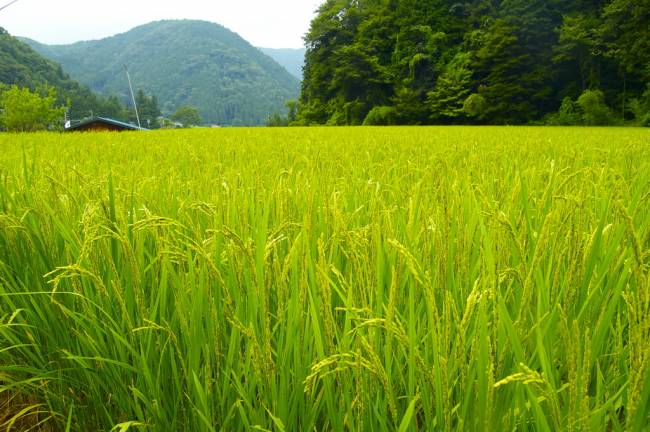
(372, 62)
(477, 62)
(183, 62)
(21, 66)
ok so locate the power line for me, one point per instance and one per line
(8, 4)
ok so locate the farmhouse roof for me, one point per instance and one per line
(103, 120)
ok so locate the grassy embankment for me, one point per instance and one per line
(326, 279)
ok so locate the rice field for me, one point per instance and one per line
(388, 279)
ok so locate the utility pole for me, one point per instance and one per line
(8, 4)
(135, 105)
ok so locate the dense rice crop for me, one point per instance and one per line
(326, 279)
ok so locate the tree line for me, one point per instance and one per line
(477, 62)
(36, 94)
(26, 110)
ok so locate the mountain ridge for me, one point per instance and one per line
(23, 66)
(182, 62)
(292, 59)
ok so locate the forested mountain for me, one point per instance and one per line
(22, 66)
(477, 61)
(292, 59)
(183, 63)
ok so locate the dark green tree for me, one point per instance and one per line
(188, 116)
(579, 45)
(148, 110)
(640, 107)
(446, 100)
(626, 34)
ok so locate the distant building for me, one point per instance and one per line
(101, 124)
(166, 123)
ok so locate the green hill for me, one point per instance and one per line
(292, 59)
(24, 67)
(477, 62)
(183, 63)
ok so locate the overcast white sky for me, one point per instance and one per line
(263, 23)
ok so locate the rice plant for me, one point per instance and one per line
(438, 279)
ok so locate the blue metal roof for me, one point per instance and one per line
(106, 121)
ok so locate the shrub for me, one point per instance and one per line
(641, 109)
(188, 116)
(276, 120)
(354, 113)
(594, 110)
(381, 116)
(475, 105)
(22, 110)
(567, 115)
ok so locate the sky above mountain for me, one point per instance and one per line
(273, 24)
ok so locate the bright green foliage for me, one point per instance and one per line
(22, 110)
(475, 106)
(381, 116)
(452, 89)
(567, 115)
(591, 110)
(327, 279)
(188, 116)
(593, 107)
